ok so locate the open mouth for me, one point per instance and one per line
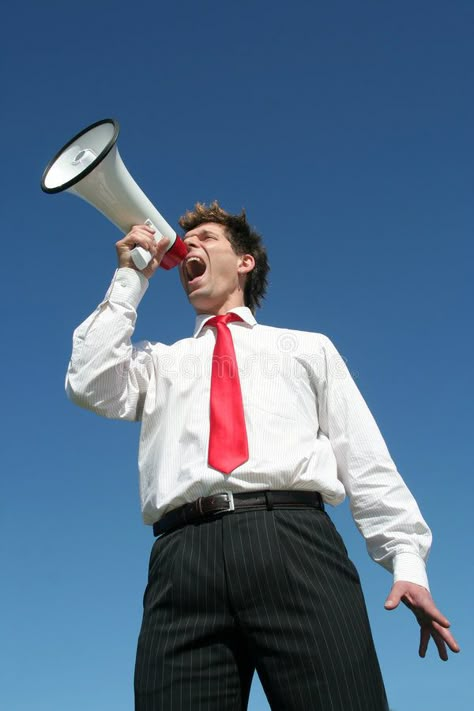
(194, 268)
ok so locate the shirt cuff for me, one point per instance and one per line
(410, 567)
(128, 287)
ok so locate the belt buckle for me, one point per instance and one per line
(214, 505)
(230, 500)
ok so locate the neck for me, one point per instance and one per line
(220, 309)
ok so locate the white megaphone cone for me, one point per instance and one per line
(89, 166)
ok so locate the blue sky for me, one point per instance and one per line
(345, 129)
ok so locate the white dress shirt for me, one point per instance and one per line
(308, 426)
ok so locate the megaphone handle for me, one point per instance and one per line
(141, 257)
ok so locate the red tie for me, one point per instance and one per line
(228, 447)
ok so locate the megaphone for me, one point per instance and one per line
(89, 166)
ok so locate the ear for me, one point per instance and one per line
(247, 263)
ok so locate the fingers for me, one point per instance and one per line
(424, 641)
(422, 605)
(143, 236)
(392, 601)
(435, 615)
(426, 632)
(432, 622)
(441, 646)
(443, 634)
(139, 235)
(395, 596)
(160, 250)
(442, 637)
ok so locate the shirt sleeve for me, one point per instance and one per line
(106, 373)
(382, 506)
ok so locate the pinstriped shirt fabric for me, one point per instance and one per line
(307, 424)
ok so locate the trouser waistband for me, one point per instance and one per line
(209, 506)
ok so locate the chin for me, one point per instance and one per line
(198, 301)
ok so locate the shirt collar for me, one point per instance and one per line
(243, 311)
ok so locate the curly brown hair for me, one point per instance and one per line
(244, 240)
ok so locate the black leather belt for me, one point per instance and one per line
(209, 506)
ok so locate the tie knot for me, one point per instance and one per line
(223, 319)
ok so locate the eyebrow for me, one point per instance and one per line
(202, 232)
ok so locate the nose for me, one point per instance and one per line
(191, 241)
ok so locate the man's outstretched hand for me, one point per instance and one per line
(432, 622)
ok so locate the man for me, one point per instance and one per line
(248, 571)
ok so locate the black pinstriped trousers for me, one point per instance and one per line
(267, 590)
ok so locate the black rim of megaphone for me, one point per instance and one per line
(90, 168)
